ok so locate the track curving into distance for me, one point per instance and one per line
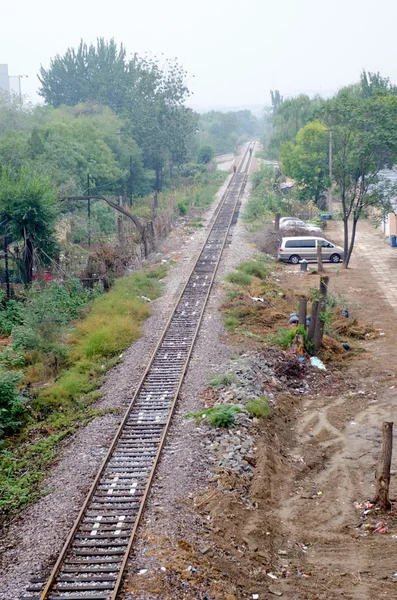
(92, 561)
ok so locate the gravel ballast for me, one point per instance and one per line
(32, 541)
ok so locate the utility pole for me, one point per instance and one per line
(130, 180)
(7, 273)
(89, 208)
(330, 171)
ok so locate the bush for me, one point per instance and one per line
(222, 415)
(255, 268)
(231, 323)
(205, 154)
(259, 407)
(239, 278)
(182, 207)
(12, 406)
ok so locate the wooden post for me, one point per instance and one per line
(320, 259)
(277, 222)
(383, 470)
(313, 317)
(319, 325)
(302, 311)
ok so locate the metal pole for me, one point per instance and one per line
(89, 209)
(330, 172)
(130, 182)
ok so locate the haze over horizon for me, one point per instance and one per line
(234, 54)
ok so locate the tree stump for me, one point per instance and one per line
(302, 311)
(383, 470)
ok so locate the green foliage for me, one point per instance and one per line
(289, 116)
(255, 268)
(231, 323)
(65, 404)
(306, 161)
(222, 415)
(239, 278)
(205, 154)
(259, 407)
(223, 380)
(182, 207)
(285, 337)
(12, 406)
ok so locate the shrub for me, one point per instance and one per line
(254, 268)
(223, 379)
(239, 278)
(12, 406)
(182, 207)
(222, 415)
(259, 407)
(231, 323)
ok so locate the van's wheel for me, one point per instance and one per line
(334, 258)
(294, 259)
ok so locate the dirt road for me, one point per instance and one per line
(336, 443)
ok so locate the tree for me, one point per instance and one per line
(205, 154)
(288, 117)
(306, 161)
(364, 143)
(96, 73)
(28, 214)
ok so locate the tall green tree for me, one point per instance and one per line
(28, 214)
(91, 73)
(306, 161)
(364, 143)
(291, 115)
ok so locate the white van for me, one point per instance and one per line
(294, 249)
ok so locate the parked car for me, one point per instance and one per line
(294, 249)
(294, 223)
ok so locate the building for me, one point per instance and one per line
(388, 223)
(4, 79)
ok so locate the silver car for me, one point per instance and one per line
(294, 249)
(294, 223)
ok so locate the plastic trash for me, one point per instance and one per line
(145, 298)
(293, 320)
(257, 299)
(345, 312)
(316, 362)
(346, 347)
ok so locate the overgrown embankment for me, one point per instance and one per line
(63, 341)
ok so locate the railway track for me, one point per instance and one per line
(92, 561)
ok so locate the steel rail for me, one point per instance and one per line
(138, 435)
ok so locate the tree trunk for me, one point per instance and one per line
(277, 222)
(7, 272)
(345, 240)
(28, 261)
(383, 469)
(320, 260)
(312, 326)
(302, 311)
(352, 240)
(159, 173)
(155, 201)
(319, 326)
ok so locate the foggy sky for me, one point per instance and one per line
(236, 51)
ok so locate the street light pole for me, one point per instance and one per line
(330, 172)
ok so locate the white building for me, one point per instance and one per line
(4, 79)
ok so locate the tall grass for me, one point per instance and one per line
(113, 322)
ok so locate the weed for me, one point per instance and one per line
(239, 278)
(259, 407)
(231, 323)
(183, 207)
(232, 294)
(222, 415)
(285, 337)
(254, 268)
(12, 406)
(223, 380)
